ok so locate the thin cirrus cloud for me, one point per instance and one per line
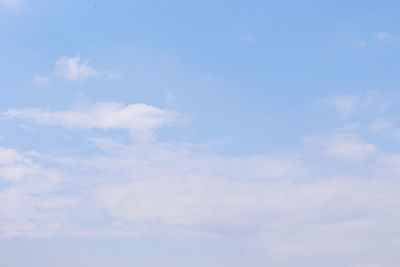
(107, 115)
(73, 69)
(345, 146)
(382, 36)
(320, 196)
(370, 103)
(31, 198)
(345, 104)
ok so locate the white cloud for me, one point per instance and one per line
(385, 128)
(344, 146)
(380, 125)
(73, 69)
(383, 36)
(297, 203)
(108, 115)
(31, 199)
(139, 119)
(368, 104)
(345, 104)
(278, 201)
(282, 201)
(8, 156)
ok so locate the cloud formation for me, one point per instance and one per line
(73, 69)
(291, 203)
(107, 115)
(32, 202)
(336, 193)
(345, 146)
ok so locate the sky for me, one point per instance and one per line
(199, 133)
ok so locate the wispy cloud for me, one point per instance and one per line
(73, 69)
(386, 128)
(383, 36)
(139, 119)
(339, 185)
(345, 104)
(369, 103)
(31, 201)
(344, 146)
(41, 80)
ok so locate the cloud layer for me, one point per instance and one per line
(334, 194)
(107, 115)
(73, 69)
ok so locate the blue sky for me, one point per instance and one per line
(212, 133)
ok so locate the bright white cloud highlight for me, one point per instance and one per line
(73, 69)
(108, 115)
